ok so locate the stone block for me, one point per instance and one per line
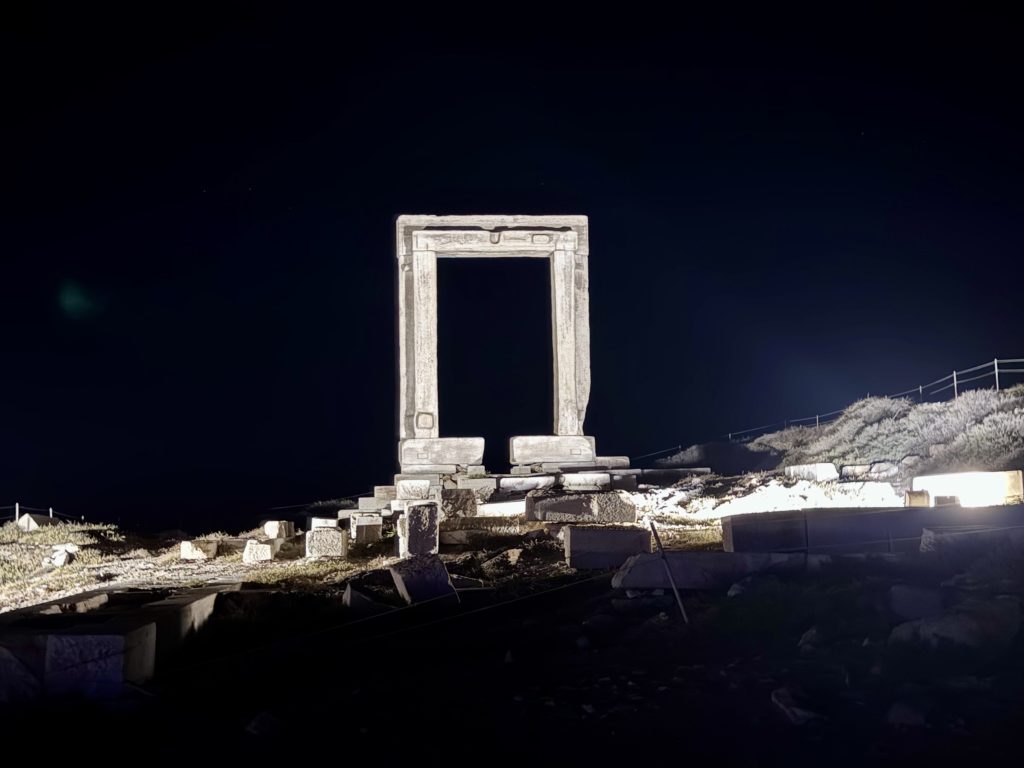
(599, 547)
(323, 522)
(526, 470)
(419, 451)
(366, 528)
(522, 484)
(178, 616)
(587, 481)
(279, 529)
(482, 487)
(458, 502)
(199, 549)
(515, 508)
(822, 472)
(701, 570)
(257, 552)
(414, 489)
(422, 578)
(326, 542)
(476, 470)
(96, 661)
(612, 462)
(535, 449)
(622, 482)
(373, 503)
(17, 683)
(430, 469)
(917, 499)
(384, 492)
(418, 530)
(607, 507)
(568, 466)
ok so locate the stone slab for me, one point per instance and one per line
(514, 508)
(326, 542)
(612, 462)
(323, 522)
(535, 449)
(373, 503)
(417, 451)
(199, 549)
(587, 481)
(418, 530)
(765, 532)
(701, 570)
(97, 660)
(422, 578)
(434, 477)
(604, 507)
(822, 472)
(366, 528)
(600, 547)
(430, 469)
(30, 521)
(532, 482)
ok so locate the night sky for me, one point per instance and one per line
(197, 306)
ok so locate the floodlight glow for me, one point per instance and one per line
(974, 489)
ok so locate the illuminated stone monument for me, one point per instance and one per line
(421, 241)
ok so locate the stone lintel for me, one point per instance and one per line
(537, 449)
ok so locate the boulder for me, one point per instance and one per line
(981, 624)
(422, 578)
(199, 549)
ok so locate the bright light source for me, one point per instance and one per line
(974, 489)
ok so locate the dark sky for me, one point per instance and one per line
(197, 305)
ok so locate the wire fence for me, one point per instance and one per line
(1001, 371)
(18, 510)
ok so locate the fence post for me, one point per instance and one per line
(817, 423)
(920, 393)
(995, 364)
(955, 395)
(16, 515)
(51, 511)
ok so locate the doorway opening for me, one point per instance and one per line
(494, 351)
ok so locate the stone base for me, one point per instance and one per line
(417, 529)
(326, 542)
(437, 451)
(366, 529)
(537, 449)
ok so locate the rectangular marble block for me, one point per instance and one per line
(536, 449)
(527, 483)
(385, 492)
(441, 450)
(597, 547)
(587, 481)
(613, 462)
(371, 504)
(418, 529)
(366, 529)
(502, 509)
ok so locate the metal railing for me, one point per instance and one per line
(956, 382)
(20, 509)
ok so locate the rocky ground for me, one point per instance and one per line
(882, 659)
